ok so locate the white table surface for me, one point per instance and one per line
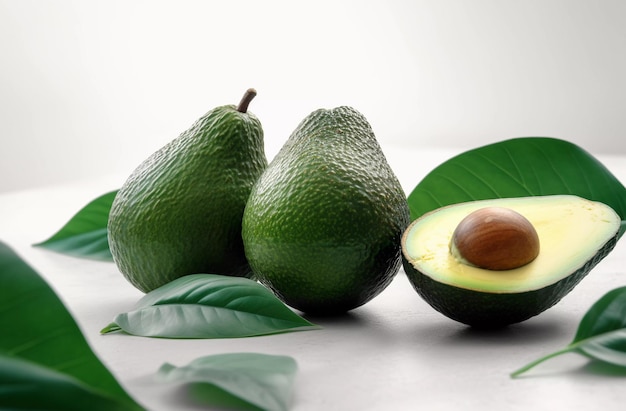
(394, 353)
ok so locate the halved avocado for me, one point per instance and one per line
(574, 234)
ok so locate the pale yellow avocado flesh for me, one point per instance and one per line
(571, 230)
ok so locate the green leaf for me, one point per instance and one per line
(85, 234)
(265, 381)
(606, 315)
(27, 385)
(520, 167)
(601, 334)
(209, 306)
(45, 360)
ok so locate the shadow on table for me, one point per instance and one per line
(604, 369)
(350, 319)
(545, 329)
(444, 331)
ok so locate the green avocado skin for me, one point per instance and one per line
(495, 310)
(323, 224)
(180, 211)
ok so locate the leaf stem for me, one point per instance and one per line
(536, 362)
(245, 100)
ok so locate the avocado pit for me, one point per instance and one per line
(495, 238)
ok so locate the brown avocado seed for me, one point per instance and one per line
(495, 238)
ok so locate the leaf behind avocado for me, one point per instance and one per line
(209, 306)
(601, 334)
(85, 234)
(263, 380)
(42, 344)
(520, 167)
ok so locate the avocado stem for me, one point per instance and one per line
(245, 100)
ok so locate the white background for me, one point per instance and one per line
(89, 88)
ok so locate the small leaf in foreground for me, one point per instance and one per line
(601, 334)
(263, 380)
(85, 234)
(209, 306)
(45, 361)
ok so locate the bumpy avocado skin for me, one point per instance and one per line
(180, 211)
(323, 224)
(495, 310)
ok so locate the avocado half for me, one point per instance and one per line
(575, 234)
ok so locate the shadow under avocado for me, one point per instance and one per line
(344, 320)
(448, 332)
(527, 331)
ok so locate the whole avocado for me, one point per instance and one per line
(322, 226)
(180, 211)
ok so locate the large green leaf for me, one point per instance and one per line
(520, 167)
(45, 361)
(263, 380)
(85, 234)
(209, 306)
(601, 334)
